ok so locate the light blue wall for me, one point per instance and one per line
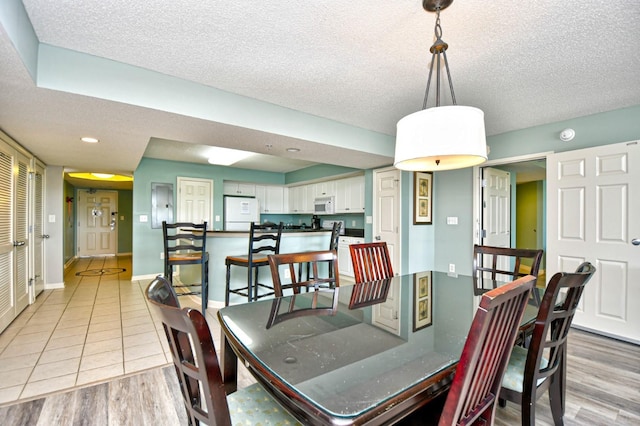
(147, 242)
(453, 190)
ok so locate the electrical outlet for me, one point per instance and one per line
(452, 267)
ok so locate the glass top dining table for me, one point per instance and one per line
(387, 348)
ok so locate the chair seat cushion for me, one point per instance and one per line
(185, 257)
(244, 259)
(514, 375)
(253, 406)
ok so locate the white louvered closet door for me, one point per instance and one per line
(21, 240)
(37, 236)
(7, 303)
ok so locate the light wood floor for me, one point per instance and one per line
(603, 389)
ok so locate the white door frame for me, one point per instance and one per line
(477, 184)
(387, 316)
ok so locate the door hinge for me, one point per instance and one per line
(483, 183)
(483, 233)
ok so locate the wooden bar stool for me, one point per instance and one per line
(263, 240)
(185, 244)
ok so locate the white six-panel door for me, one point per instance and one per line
(195, 201)
(593, 215)
(97, 214)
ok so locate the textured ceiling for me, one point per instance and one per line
(360, 63)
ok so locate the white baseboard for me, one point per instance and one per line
(53, 286)
(147, 277)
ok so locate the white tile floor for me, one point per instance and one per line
(96, 328)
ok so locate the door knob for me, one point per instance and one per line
(378, 238)
(44, 236)
(19, 243)
(636, 241)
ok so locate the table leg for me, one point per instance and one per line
(229, 365)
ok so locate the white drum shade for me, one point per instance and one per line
(441, 138)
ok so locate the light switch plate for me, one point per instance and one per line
(144, 218)
(52, 218)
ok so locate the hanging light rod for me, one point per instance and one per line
(440, 137)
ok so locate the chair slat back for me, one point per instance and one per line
(194, 356)
(478, 376)
(264, 239)
(555, 315)
(179, 238)
(321, 264)
(490, 261)
(335, 235)
(371, 261)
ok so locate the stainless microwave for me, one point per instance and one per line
(324, 205)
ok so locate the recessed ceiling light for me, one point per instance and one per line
(89, 139)
(226, 156)
(293, 150)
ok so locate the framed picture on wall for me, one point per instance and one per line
(422, 301)
(422, 198)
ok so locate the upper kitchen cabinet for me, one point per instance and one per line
(324, 189)
(350, 195)
(241, 189)
(299, 199)
(271, 198)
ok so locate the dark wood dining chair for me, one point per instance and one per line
(371, 261)
(263, 241)
(473, 394)
(183, 246)
(487, 261)
(542, 366)
(284, 271)
(196, 364)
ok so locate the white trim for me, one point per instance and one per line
(54, 286)
(145, 277)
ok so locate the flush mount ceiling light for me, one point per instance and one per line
(103, 175)
(440, 137)
(88, 139)
(293, 150)
(226, 156)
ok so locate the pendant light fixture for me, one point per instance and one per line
(440, 137)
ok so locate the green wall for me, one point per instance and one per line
(69, 234)
(125, 221)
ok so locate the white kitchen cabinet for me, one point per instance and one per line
(298, 199)
(350, 195)
(344, 255)
(242, 189)
(271, 198)
(324, 189)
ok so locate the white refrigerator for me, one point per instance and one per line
(239, 212)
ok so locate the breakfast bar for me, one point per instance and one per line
(221, 244)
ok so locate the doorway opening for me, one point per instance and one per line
(510, 204)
